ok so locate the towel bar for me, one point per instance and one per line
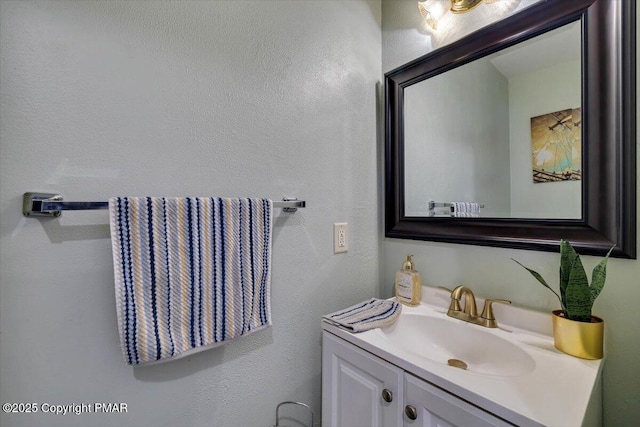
(51, 205)
(433, 205)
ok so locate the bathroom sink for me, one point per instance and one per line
(458, 344)
(513, 371)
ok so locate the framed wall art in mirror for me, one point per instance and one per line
(504, 139)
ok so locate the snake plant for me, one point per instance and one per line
(576, 295)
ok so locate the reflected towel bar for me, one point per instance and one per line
(51, 205)
(433, 205)
(451, 211)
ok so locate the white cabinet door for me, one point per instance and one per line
(433, 407)
(358, 389)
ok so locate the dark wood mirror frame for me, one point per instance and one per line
(609, 133)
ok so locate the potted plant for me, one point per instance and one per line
(575, 330)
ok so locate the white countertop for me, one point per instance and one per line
(555, 393)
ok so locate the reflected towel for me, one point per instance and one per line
(374, 313)
(465, 209)
(190, 273)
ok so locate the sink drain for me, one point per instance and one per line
(456, 363)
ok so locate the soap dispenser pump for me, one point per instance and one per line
(408, 284)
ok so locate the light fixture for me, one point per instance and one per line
(433, 10)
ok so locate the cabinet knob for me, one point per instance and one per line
(411, 412)
(387, 395)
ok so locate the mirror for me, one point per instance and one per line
(502, 139)
(512, 98)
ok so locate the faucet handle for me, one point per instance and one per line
(487, 311)
(455, 304)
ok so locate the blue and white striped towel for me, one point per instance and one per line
(190, 273)
(374, 313)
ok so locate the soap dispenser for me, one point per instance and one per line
(408, 284)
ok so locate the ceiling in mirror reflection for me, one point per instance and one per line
(468, 131)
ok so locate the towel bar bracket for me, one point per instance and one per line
(51, 205)
(298, 203)
(32, 204)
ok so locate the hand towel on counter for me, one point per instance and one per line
(374, 313)
(190, 273)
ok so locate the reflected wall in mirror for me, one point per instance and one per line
(476, 119)
(459, 129)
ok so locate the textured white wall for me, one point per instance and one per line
(220, 98)
(491, 273)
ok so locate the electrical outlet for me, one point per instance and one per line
(340, 238)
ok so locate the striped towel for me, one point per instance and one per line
(375, 313)
(190, 273)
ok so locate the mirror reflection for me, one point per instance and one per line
(499, 137)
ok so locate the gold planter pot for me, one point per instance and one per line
(579, 339)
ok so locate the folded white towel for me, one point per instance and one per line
(374, 313)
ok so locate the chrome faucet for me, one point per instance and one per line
(470, 311)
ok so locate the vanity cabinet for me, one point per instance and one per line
(358, 388)
(434, 407)
(363, 390)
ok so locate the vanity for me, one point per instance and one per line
(429, 369)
